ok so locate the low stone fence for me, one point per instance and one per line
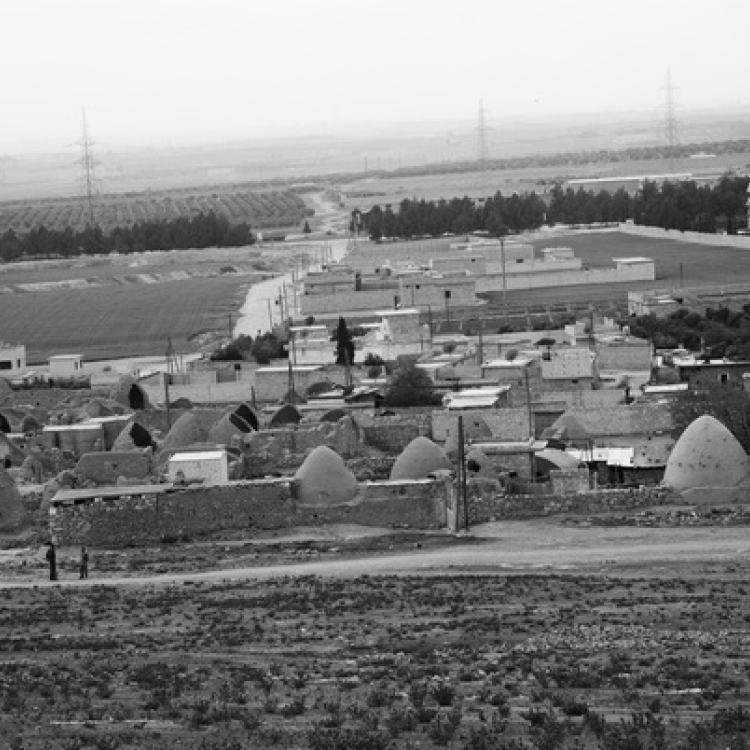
(487, 502)
(261, 504)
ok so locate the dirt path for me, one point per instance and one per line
(539, 545)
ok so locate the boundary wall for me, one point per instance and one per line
(738, 241)
(261, 504)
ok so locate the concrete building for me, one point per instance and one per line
(621, 352)
(12, 360)
(348, 291)
(65, 366)
(567, 368)
(702, 374)
(207, 466)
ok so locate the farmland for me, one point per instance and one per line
(603, 654)
(258, 208)
(113, 306)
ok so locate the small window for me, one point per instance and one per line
(6, 364)
(18, 364)
(447, 294)
(723, 377)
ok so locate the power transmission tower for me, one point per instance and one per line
(670, 119)
(88, 175)
(482, 134)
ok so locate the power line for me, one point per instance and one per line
(88, 174)
(670, 118)
(482, 134)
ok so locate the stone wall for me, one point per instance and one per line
(201, 393)
(261, 504)
(392, 434)
(488, 503)
(507, 424)
(107, 466)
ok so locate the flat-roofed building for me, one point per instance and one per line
(12, 360)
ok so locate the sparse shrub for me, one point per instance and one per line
(443, 692)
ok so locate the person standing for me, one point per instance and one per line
(84, 562)
(52, 560)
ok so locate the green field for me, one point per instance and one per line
(111, 321)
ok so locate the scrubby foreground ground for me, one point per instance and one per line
(625, 658)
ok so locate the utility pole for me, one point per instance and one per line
(166, 400)
(505, 285)
(462, 470)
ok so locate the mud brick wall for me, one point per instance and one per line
(393, 434)
(371, 469)
(488, 503)
(262, 504)
(106, 466)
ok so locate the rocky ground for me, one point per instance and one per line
(607, 647)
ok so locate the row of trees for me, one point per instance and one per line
(202, 230)
(497, 214)
(571, 158)
(673, 205)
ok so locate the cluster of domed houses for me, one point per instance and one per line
(119, 441)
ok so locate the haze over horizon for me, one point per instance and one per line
(184, 72)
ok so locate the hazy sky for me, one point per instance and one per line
(181, 70)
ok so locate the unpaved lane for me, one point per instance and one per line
(515, 546)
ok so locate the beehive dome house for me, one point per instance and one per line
(323, 479)
(420, 458)
(707, 463)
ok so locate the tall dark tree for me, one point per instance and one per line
(344, 344)
(409, 385)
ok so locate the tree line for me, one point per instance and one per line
(680, 205)
(199, 231)
(720, 332)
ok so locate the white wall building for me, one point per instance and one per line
(12, 360)
(209, 466)
(65, 366)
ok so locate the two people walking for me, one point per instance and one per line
(83, 568)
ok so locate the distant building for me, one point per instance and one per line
(65, 366)
(12, 360)
(704, 374)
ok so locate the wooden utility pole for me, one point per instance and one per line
(462, 469)
(166, 400)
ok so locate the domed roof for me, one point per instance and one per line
(286, 414)
(227, 427)
(478, 465)
(133, 437)
(11, 507)
(189, 428)
(418, 459)
(323, 479)
(706, 455)
(128, 393)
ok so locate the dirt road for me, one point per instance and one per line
(509, 546)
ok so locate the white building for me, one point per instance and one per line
(207, 466)
(65, 366)
(12, 360)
